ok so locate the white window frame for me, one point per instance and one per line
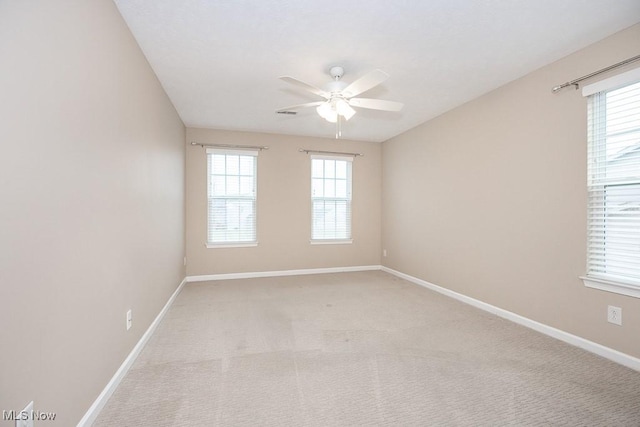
(347, 239)
(230, 243)
(597, 276)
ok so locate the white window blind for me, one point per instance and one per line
(614, 184)
(331, 198)
(231, 194)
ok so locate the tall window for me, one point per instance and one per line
(231, 192)
(614, 186)
(331, 199)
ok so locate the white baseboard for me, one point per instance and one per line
(93, 412)
(251, 275)
(600, 350)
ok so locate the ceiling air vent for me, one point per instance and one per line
(293, 113)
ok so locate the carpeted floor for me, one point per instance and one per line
(359, 349)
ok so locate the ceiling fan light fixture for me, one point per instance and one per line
(327, 112)
(332, 117)
(344, 109)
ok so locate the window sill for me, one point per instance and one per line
(611, 286)
(230, 245)
(331, 242)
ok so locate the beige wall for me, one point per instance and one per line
(284, 206)
(489, 200)
(91, 201)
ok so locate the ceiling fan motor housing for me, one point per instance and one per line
(335, 86)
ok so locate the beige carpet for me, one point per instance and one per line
(359, 349)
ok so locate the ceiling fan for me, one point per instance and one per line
(339, 96)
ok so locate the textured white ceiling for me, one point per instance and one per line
(219, 61)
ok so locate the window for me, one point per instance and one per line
(613, 259)
(331, 199)
(231, 191)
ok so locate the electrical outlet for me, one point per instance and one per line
(384, 252)
(614, 315)
(129, 320)
(25, 417)
(184, 261)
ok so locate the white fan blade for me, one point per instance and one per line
(364, 83)
(306, 86)
(376, 104)
(295, 107)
